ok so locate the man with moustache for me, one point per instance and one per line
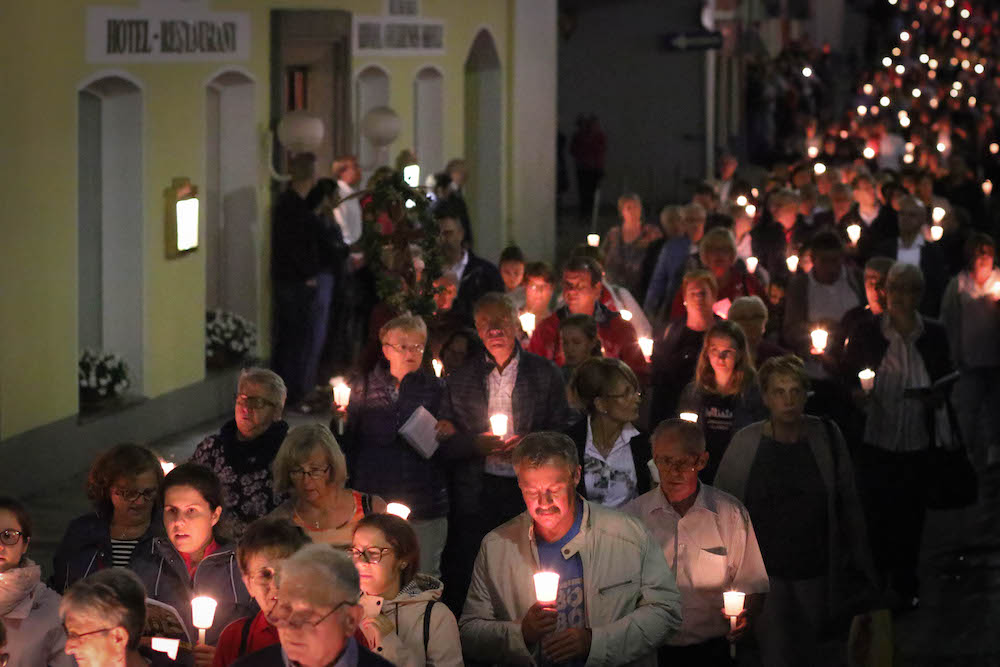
(617, 599)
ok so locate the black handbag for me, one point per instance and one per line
(951, 479)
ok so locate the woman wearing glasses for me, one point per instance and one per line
(404, 622)
(28, 608)
(614, 453)
(194, 559)
(379, 459)
(104, 615)
(311, 468)
(124, 487)
(241, 453)
(724, 395)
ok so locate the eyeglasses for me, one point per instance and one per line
(315, 473)
(415, 347)
(281, 615)
(263, 577)
(632, 392)
(371, 555)
(73, 636)
(252, 402)
(10, 537)
(676, 465)
(132, 495)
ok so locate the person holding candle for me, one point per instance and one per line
(265, 544)
(312, 469)
(612, 450)
(971, 316)
(617, 598)
(708, 540)
(724, 393)
(539, 286)
(380, 461)
(317, 613)
(579, 340)
(194, 559)
(29, 609)
(509, 381)
(240, 454)
(124, 487)
(877, 222)
(104, 616)
(625, 245)
(407, 625)
(794, 475)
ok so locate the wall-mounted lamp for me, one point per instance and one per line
(181, 217)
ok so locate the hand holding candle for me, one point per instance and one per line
(733, 603)
(498, 423)
(202, 615)
(546, 587)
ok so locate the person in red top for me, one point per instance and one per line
(265, 544)
(581, 290)
(717, 253)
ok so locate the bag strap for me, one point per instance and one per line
(427, 625)
(244, 636)
(366, 504)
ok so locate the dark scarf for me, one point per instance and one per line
(246, 456)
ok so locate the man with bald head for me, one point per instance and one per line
(709, 543)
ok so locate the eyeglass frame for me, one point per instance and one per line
(255, 578)
(415, 347)
(20, 538)
(673, 466)
(629, 393)
(358, 555)
(241, 401)
(78, 636)
(302, 473)
(132, 495)
(297, 626)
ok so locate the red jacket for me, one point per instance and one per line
(261, 635)
(617, 337)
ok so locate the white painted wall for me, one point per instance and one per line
(533, 132)
(483, 146)
(428, 120)
(89, 222)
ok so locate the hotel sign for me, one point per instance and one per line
(168, 34)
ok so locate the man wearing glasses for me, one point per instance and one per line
(708, 541)
(316, 612)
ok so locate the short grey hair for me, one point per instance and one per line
(538, 449)
(908, 273)
(496, 299)
(748, 306)
(271, 381)
(408, 323)
(114, 597)
(296, 448)
(688, 434)
(329, 572)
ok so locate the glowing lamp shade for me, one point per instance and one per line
(867, 377)
(399, 509)
(181, 217)
(854, 233)
(689, 417)
(937, 231)
(411, 174)
(438, 367)
(187, 224)
(646, 345)
(792, 262)
(166, 645)
(546, 586)
(733, 602)
(203, 612)
(819, 338)
(626, 315)
(167, 465)
(751, 263)
(300, 131)
(593, 240)
(498, 423)
(528, 322)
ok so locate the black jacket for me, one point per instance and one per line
(478, 278)
(297, 238)
(641, 454)
(86, 548)
(884, 229)
(933, 264)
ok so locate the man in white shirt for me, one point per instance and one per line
(348, 214)
(709, 543)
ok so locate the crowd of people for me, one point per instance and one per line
(762, 391)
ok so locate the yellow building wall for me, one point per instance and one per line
(42, 48)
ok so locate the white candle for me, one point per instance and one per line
(854, 233)
(937, 231)
(733, 602)
(689, 417)
(937, 215)
(868, 152)
(399, 509)
(626, 314)
(819, 168)
(751, 210)
(438, 367)
(546, 587)
(166, 645)
(987, 187)
(819, 337)
(867, 377)
(202, 615)
(646, 345)
(593, 240)
(167, 465)
(812, 151)
(792, 262)
(499, 425)
(742, 200)
(342, 394)
(528, 323)
(751, 264)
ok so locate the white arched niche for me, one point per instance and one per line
(483, 137)
(371, 89)
(428, 119)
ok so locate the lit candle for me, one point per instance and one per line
(167, 465)
(733, 602)
(438, 367)
(646, 345)
(987, 187)
(741, 200)
(867, 377)
(499, 425)
(626, 314)
(399, 509)
(166, 645)
(819, 168)
(528, 323)
(751, 264)
(937, 215)
(937, 231)
(689, 417)
(202, 615)
(819, 338)
(546, 587)
(812, 151)
(341, 396)
(751, 210)
(792, 262)
(593, 240)
(854, 233)
(868, 152)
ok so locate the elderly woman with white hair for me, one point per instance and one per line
(317, 612)
(241, 453)
(104, 615)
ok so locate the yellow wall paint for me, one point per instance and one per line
(38, 257)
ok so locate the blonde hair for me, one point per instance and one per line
(592, 378)
(788, 365)
(703, 275)
(717, 237)
(300, 442)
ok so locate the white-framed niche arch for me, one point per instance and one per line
(483, 143)
(371, 90)
(230, 219)
(428, 119)
(110, 217)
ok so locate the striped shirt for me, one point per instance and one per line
(121, 551)
(500, 401)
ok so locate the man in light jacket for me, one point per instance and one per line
(617, 600)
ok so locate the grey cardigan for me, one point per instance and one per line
(850, 558)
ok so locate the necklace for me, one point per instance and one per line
(323, 514)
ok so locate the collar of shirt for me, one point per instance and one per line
(918, 242)
(891, 334)
(572, 547)
(514, 359)
(703, 501)
(345, 186)
(209, 550)
(347, 658)
(628, 432)
(870, 218)
(459, 268)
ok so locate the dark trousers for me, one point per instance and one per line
(713, 653)
(300, 322)
(587, 181)
(892, 490)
